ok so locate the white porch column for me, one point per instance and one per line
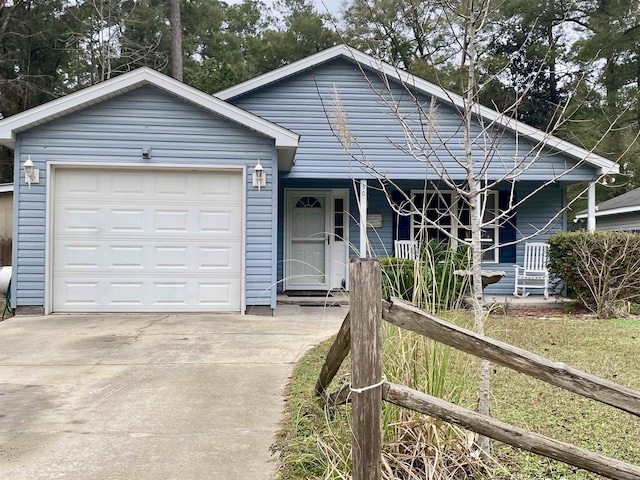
(591, 208)
(363, 219)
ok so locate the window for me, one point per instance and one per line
(453, 217)
(308, 202)
(338, 219)
(438, 209)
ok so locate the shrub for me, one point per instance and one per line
(428, 282)
(599, 269)
(397, 277)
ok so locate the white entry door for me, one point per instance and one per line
(316, 239)
(133, 240)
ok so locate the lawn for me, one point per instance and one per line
(314, 442)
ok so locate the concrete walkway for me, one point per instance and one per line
(148, 396)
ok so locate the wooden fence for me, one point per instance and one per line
(361, 333)
(5, 251)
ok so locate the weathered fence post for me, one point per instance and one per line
(366, 367)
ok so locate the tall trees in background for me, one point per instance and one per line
(532, 57)
(49, 48)
(533, 51)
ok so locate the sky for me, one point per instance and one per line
(333, 6)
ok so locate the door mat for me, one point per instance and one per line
(309, 293)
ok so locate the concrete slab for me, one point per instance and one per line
(149, 396)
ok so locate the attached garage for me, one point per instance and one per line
(146, 240)
(145, 201)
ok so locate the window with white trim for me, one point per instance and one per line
(450, 215)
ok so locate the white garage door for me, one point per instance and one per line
(129, 240)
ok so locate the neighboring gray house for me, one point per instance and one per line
(618, 213)
(149, 195)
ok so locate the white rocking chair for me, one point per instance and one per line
(406, 249)
(534, 273)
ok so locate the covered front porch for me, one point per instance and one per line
(323, 223)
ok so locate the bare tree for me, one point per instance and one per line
(484, 167)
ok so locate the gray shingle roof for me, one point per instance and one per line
(626, 200)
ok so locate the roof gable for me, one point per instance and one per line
(286, 141)
(602, 165)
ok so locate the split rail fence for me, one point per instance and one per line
(361, 333)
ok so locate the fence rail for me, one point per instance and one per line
(5, 252)
(362, 334)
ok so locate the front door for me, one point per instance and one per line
(316, 239)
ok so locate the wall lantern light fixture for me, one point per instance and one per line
(259, 177)
(31, 174)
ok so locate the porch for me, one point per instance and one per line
(321, 225)
(341, 299)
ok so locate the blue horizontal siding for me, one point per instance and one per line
(304, 103)
(115, 131)
(534, 224)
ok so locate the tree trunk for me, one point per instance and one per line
(475, 214)
(176, 39)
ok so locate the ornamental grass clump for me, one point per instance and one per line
(429, 281)
(417, 446)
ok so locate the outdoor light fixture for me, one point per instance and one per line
(31, 174)
(259, 177)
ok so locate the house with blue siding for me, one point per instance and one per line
(142, 194)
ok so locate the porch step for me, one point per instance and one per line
(335, 299)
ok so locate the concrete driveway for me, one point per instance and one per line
(148, 396)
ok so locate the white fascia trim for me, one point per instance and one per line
(286, 71)
(128, 81)
(6, 187)
(604, 166)
(613, 211)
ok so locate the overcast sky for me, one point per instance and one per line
(321, 5)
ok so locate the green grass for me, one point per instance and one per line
(314, 443)
(606, 348)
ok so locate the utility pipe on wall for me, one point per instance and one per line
(591, 208)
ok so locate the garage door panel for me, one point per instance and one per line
(145, 294)
(126, 220)
(220, 188)
(81, 293)
(169, 250)
(79, 257)
(128, 294)
(149, 256)
(170, 221)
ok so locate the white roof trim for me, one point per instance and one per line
(612, 211)
(604, 166)
(6, 187)
(143, 76)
